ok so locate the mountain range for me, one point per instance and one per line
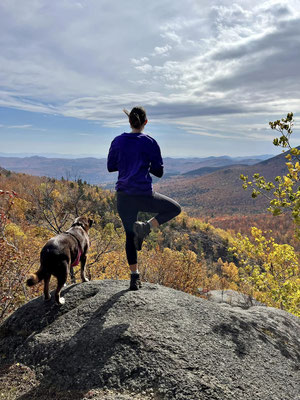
(220, 191)
(94, 171)
(209, 186)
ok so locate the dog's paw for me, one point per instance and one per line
(85, 279)
(61, 300)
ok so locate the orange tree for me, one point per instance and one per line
(18, 249)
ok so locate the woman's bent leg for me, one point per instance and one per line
(166, 207)
(128, 208)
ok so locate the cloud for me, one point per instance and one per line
(214, 61)
(159, 51)
(171, 35)
(270, 64)
(240, 136)
(19, 126)
(144, 68)
(140, 61)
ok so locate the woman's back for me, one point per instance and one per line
(135, 155)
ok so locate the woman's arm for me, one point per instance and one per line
(112, 159)
(156, 165)
(157, 171)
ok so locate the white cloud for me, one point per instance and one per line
(214, 60)
(140, 61)
(214, 135)
(144, 68)
(19, 126)
(159, 51)
(172, 36)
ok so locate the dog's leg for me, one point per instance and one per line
(61, 280)
(47, 295)
(58, 299)
(72, 275)
(82, 271)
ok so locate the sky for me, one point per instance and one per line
(211, 74)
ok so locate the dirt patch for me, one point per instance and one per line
(16, 380)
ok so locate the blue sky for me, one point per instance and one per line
(211, 74)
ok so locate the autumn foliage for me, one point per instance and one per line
(16, 252)
(269, 271)
(185, 254)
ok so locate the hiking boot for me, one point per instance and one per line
(135, 282)
(141, 230)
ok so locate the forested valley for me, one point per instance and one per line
(187, 254)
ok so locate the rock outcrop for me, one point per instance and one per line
(231, 297)
(157, 343)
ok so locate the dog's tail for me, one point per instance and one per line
(35, 278)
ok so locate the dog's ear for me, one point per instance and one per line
(90, 222)
(80, 221)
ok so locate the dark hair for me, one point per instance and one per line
(137, 117)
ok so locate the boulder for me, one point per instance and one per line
(156, 343)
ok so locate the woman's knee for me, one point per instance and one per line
(176, 208)
(171, 211)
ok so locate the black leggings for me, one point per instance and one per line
(130, 205)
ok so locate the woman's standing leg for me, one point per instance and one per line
(128, 214)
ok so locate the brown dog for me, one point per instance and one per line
(60, 254)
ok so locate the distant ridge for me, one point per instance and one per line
(51, 155)
(202, 171)
(93, 170)
(220, 192)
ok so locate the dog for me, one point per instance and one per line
(60, 254)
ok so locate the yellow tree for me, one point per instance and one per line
(277, 277)
(177, 269)
(269, 270)
(286, 189)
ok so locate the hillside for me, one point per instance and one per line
(157, 343)
(184, 254)
(280, 227)
(202, 171)
(183, 165)
(94, 171)
(33, 209)
(221, 192)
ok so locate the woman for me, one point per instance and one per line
(137, 155)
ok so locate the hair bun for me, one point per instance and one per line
(137, 117)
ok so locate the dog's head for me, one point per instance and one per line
(84, 222)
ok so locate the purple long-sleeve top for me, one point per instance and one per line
(135, 156)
